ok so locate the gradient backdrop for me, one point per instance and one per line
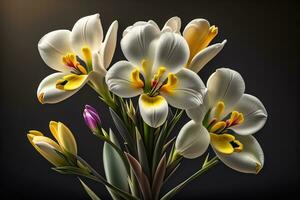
(262, 45)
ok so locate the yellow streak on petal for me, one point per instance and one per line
(239, 147)
(71, 82)
(258, 167)
(87, 55)
(170, 85)
(152, 101)
(222, 142)
(41, 97)
(135, 79)
(219, 109)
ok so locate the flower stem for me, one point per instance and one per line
(210, 164)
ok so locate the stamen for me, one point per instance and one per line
(218, 127)
(235, 119)
(81, 69)
(70, 60)
(136, 80)
(171, 83)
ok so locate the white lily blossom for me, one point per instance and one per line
(156, 71)
(230, 117)
(79, 56)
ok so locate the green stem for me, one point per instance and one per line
(179, 187)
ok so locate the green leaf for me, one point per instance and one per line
(114, 167)
(142, 152)
(89, 191)
(179, 187)
(122, 130)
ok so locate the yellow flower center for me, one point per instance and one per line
(73, 62)
(171, 84)
(221, 139)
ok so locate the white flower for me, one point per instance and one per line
(79, 56)
(230, 118)
(155, 71)
(198, 33)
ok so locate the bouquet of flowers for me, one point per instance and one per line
(146, 95)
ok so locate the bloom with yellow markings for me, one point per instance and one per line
(199, 34)
(79, 56)
(65, 143)
(155, 71)
(229, 117)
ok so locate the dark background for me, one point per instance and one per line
(262, 45)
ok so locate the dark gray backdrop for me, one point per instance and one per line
(262, 45)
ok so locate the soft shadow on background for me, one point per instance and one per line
(262, 45)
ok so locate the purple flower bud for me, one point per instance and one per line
(91, 118)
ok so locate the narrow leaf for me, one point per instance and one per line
(158, 178)
(89, 191)
(122, 129)
(141, 177)
(142, 152)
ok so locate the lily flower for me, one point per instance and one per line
(49, 149)
(229, 117)
(155, 71)
(79, 56)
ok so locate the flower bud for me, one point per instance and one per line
(92, 119)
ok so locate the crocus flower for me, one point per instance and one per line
(92, 119)
(229, 117)
(79, 56)
(48, 148)
(155, 71)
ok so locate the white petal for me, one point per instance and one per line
(87, 32)
(109, 45)
(136, 44)
(225, 85)
(198, 113)
(118, 80)
(202, 26)
(173, 24)
(172, 52)
(97, 64)
(154, 110)
(249, 160)
(255, 115)
(192, 140)
(48, 93)
(205, 55)
(53, 46)
(188, 92)
(139, 23)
